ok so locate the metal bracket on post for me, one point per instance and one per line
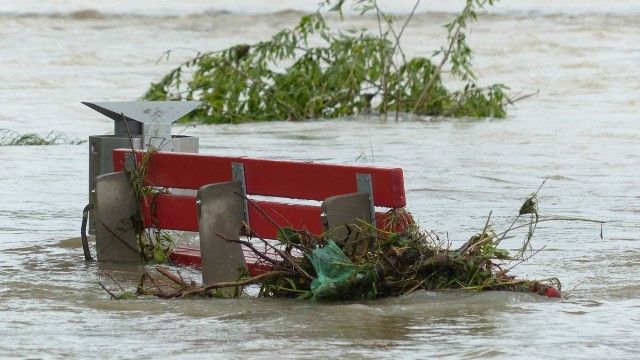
(237, 173)
(366, 186)
(130, 161)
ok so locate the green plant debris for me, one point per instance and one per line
(396, 259)
(154, 244)
(13, 138)
(313, 71)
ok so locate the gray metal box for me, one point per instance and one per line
(137, 124)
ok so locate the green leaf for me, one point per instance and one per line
(501, 254)
(530, 206)
(159, 255)
(288, 234)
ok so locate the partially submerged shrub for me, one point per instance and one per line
(311, 71)
(12, 138)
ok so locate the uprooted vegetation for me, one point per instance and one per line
(312, 71)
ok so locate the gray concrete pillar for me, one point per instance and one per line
(114, 206)
(341, 210)
(220, 216)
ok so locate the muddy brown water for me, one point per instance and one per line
(581, 131)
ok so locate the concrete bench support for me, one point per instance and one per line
(342, 211)
(115, 205)
(220, 216)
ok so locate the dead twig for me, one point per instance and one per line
(113, 296)
(284, 256)
(248, 244)
(171, 277)
(270, 219)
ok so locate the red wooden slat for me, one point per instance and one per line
(285, 215)
(168, 211)
(187, 255)
(179, 212)
(299, 180)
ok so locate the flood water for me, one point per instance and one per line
(581, 130)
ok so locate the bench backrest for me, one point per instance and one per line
(262, 177)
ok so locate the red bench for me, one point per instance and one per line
(347, 192)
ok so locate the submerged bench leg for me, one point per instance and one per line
(220, 216)
(114, 206)
(342, 211)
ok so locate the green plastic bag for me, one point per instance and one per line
(336, 273)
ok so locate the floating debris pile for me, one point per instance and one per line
(394, 259)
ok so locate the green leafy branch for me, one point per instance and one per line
(311, 71)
